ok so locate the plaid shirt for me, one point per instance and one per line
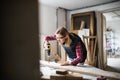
(79, 54)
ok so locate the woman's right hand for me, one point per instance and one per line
(65, 63)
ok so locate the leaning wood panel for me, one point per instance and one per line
(91, 49)
(85, 70)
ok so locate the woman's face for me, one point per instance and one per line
(60, 38)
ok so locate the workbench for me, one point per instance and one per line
(51, 72)
(84, 70)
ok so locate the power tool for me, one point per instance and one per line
(47, 49)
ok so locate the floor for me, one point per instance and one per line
(113, 65)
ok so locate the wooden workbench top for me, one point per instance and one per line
(86, 69)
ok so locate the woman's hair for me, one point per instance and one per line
(63, 31)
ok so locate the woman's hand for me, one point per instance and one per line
(65, 63)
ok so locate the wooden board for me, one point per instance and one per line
(88, 70)
(57, 77)
(65, 77)
(61, 71)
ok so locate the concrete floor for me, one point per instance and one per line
(113, 64)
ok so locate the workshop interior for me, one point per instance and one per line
(96, 24)
(25, 55)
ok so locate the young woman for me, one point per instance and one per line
(72, 44)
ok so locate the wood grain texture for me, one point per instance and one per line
(86, 69)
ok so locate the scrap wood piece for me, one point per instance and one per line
(88, 70)
(65, 77)
(71, 77)
(57, 77)
(61, 71)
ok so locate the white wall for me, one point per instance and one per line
(114, 25)
(47, 20)
(50, 19)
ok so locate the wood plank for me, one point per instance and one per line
(57, 77)
(88, 70)
(65, 77)
(61, 71)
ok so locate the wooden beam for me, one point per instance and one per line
(86, 69)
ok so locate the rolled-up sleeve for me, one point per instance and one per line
(79, 54)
